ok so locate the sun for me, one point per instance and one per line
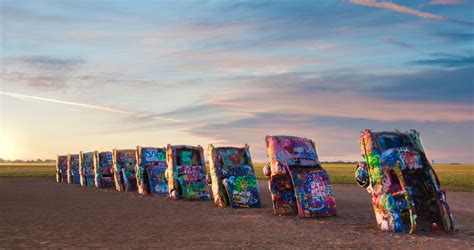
(7, 146)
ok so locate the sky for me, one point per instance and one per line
(95, 75)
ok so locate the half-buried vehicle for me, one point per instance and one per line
(61, 168)
(125, 161)
(405, 190)
(151, 169)
(232, 177)
(186, 173)
(298, 183)
(104, 170)
(86, 168)
(73, 176)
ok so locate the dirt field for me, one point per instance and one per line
(37, 212)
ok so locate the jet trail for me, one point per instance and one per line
(83, 105)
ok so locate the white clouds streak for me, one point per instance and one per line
(398, 8)
(83, 105)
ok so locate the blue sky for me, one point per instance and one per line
(93, 75)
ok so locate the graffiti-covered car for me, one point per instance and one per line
(406, 192)
(73, 176)
(151, 169)
(186, 173)
(86, 168)
(104, 170)
(298, 183)
(125, 161)
(61, 168)
(233, 178)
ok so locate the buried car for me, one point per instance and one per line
(86, 169)
(405, 189)
(232, 177)
(61, 168)
(73, 176)
(151, 169)
(298, 184)
(104, 170)
(125, 161)
(186, 173)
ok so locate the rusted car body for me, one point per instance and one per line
(186, 173)
(125, 161)
(405, 190)
(86, 168)
(298, 183)
(233, 177)
(73, 176)
(104, 170)
(151, 169)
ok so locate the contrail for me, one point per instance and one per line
(398, 8)
(83, 105)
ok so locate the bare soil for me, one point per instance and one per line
(37, 212)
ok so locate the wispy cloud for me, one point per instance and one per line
(396, 42)
(49, 63)
(447, 61)
(398, 8)
(40, 72)
(455, 37)
(445, 2)
(377, 97)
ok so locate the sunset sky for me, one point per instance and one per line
(93, 75)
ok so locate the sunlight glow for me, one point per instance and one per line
(7, 146)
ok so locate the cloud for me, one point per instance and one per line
(330, 104)
(445, 2)
(299, 97)
(46, 67)
(443, 86)
(398, 8)
(49, 63)
(455, 37)
(447, 61)
(36, 81)
(40, 72)
(452, 86)
(235, 62)
(397, 43)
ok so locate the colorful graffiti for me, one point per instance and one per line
(242, 191)
(313, 192)
(125, 161)
(298, 183)
(405, 189)
(104, 170)
(233, 178)
(151, 169)
(283, 195)
(86, 169)
(73, 176)
(186, 173)
(61, 168)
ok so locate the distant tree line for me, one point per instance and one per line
(27, 161)
(339, 162)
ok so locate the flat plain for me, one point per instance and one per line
(36, 212)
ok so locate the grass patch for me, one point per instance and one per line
(452, 177)
(27, 170)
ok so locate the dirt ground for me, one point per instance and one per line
(37, 212)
